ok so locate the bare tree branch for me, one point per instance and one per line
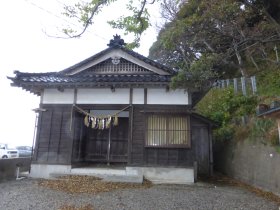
(89, 20)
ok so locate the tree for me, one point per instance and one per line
(232, 36)
(85, 12)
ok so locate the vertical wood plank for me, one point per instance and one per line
(50, 135)
(38, 134)
(210, 151)
(145, 95)
(80, 139)
(59, 139)
(130, 96)
(130, 139)
(75, 95)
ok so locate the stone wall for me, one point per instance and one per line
(8, 167)
(252, 163)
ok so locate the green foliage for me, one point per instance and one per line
(194, 77)
(223, 106)
(84, 12)
(264, 130)
(240, 34)
(136, 23)
(261, 127)
(224, 133)
(277, 148)
(269, 83)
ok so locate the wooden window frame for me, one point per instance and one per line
(168, 115)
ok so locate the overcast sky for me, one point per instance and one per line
(24, 46)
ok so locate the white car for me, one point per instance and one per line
(7, 152)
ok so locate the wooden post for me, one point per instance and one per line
(278, 123)
(243, 85)
(131, 134)
(223, 84)
(211, 161)
(254, 84)
(109, 145)
(228, 82)
(145, 95)
(235, 85)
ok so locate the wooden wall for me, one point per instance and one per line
(179, 157)
(55, 140)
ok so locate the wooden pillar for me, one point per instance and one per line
(278, 123)
(145, 95)
(211, 162)
(109, 146)
(130, 139)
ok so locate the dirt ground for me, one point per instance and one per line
(90, 193)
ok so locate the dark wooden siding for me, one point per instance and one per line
(79, 137)
(201, 145)
(90, 145)
(54, 138)
(181, 157)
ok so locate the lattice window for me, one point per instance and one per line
(124, 67)
(167, 131)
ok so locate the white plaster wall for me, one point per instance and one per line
(138, 96)
(53, 96)
(103, 96)
(171, 97)
(119, 96)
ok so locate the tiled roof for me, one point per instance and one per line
(70, 77)
(34, 81)
(61, 79)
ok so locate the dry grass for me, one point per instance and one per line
(88, 184)
(224, 180)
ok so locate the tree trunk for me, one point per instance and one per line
(240, 62)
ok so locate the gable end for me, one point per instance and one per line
(117, 66)
(112, 54)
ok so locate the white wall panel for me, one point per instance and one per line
(138, 96)
(171, 97)
(53, 96)
(103, 96)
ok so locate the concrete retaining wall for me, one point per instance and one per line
(252, 163)
(8, 167)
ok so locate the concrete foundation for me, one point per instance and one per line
(45, 171)
(161, 175)
(157, 175)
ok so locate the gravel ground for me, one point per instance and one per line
(26, 195)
